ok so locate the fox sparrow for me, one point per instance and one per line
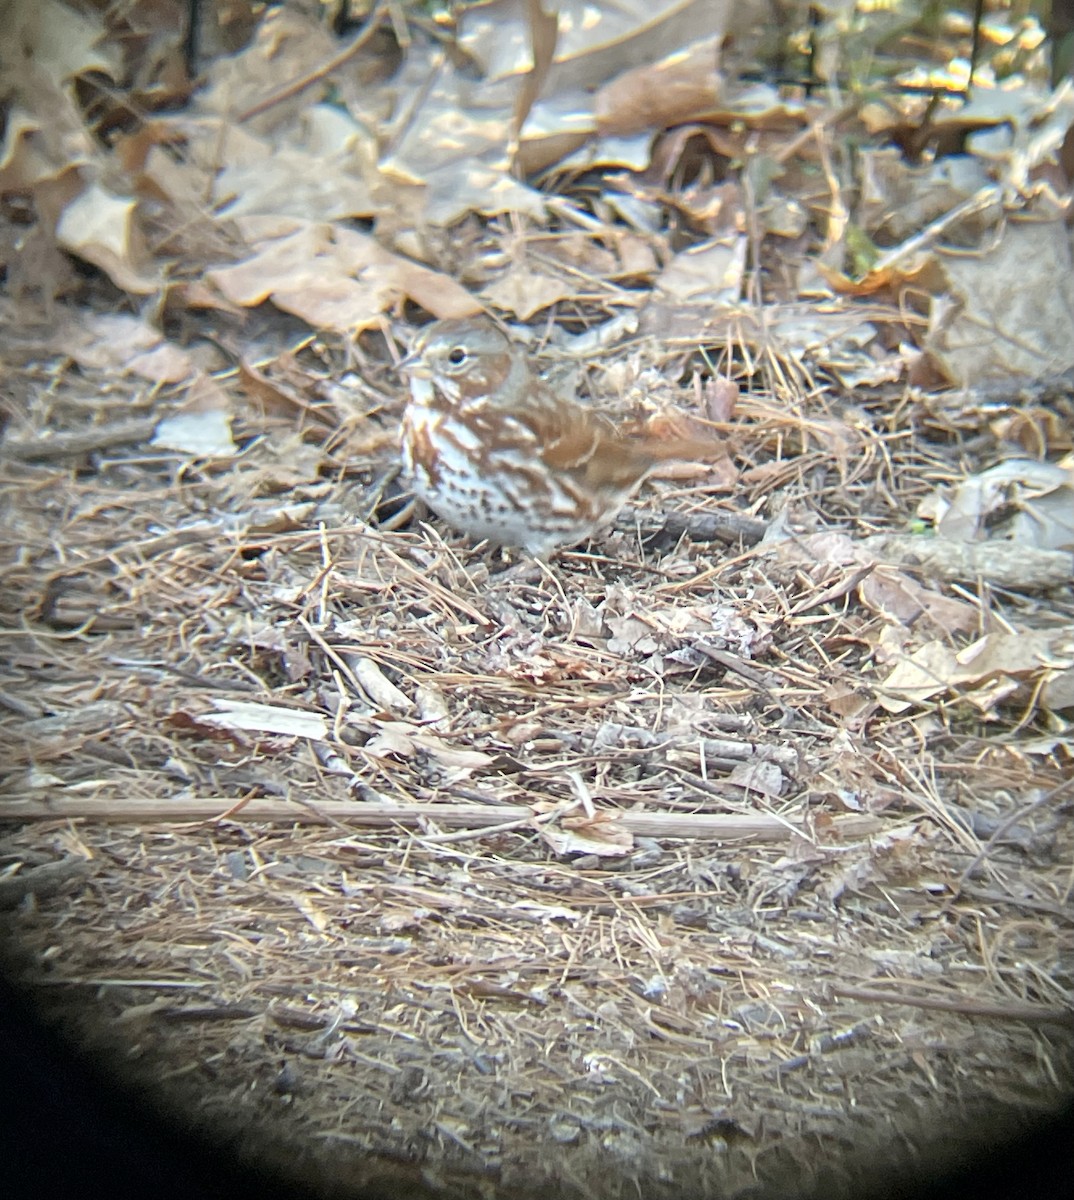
(494, 451)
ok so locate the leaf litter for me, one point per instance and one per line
(629, 874)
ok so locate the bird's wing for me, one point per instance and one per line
(581, 443)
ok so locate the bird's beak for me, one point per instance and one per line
(412, 365)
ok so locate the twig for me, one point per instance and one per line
(989, 897)
(1034, 1014)
(333, 64)
(46, 880)
(1012, 820)
(81, 441)
(700, 527)
(1003, 564)
(716, 826)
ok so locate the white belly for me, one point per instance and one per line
(505, 495)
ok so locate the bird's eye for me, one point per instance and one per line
(457, 356)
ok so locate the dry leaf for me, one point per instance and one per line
(995, 666)
(265, 718)
(710, 271)
(60, 41)
(288, 43)
(395, 739)
(683, 86)
(759, 776)
(121, 342)
(101, 228)
(1020, 500)
(1006, 312)
(458, 141)
(333, 278)
(900, 198)
(377, 686)
(404, 740)
(205, 434)
(902, 599)
(524, 290)
(320, 169)
(316, 917)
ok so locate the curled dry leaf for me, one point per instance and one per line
(904, 600)
(58, 41)
(1020, 500)
(321, 169)
(984, 673)
(712, 272)
(46, 47)
(35, 153)
(682, 86)
(599, 45)
(244, 716)
(377, 686)
(898, 597)
(120, 342)
(719, 398)
(334, 278)
(524, 290)
(101, 228)
(1037, 430)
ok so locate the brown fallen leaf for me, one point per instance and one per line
(333, 278)
(901, 598)
(102, 229)
(683, 86)
(1019, 500)
(984, 673)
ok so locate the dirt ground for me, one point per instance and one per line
(405, 865)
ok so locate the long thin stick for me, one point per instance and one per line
(715, 826)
